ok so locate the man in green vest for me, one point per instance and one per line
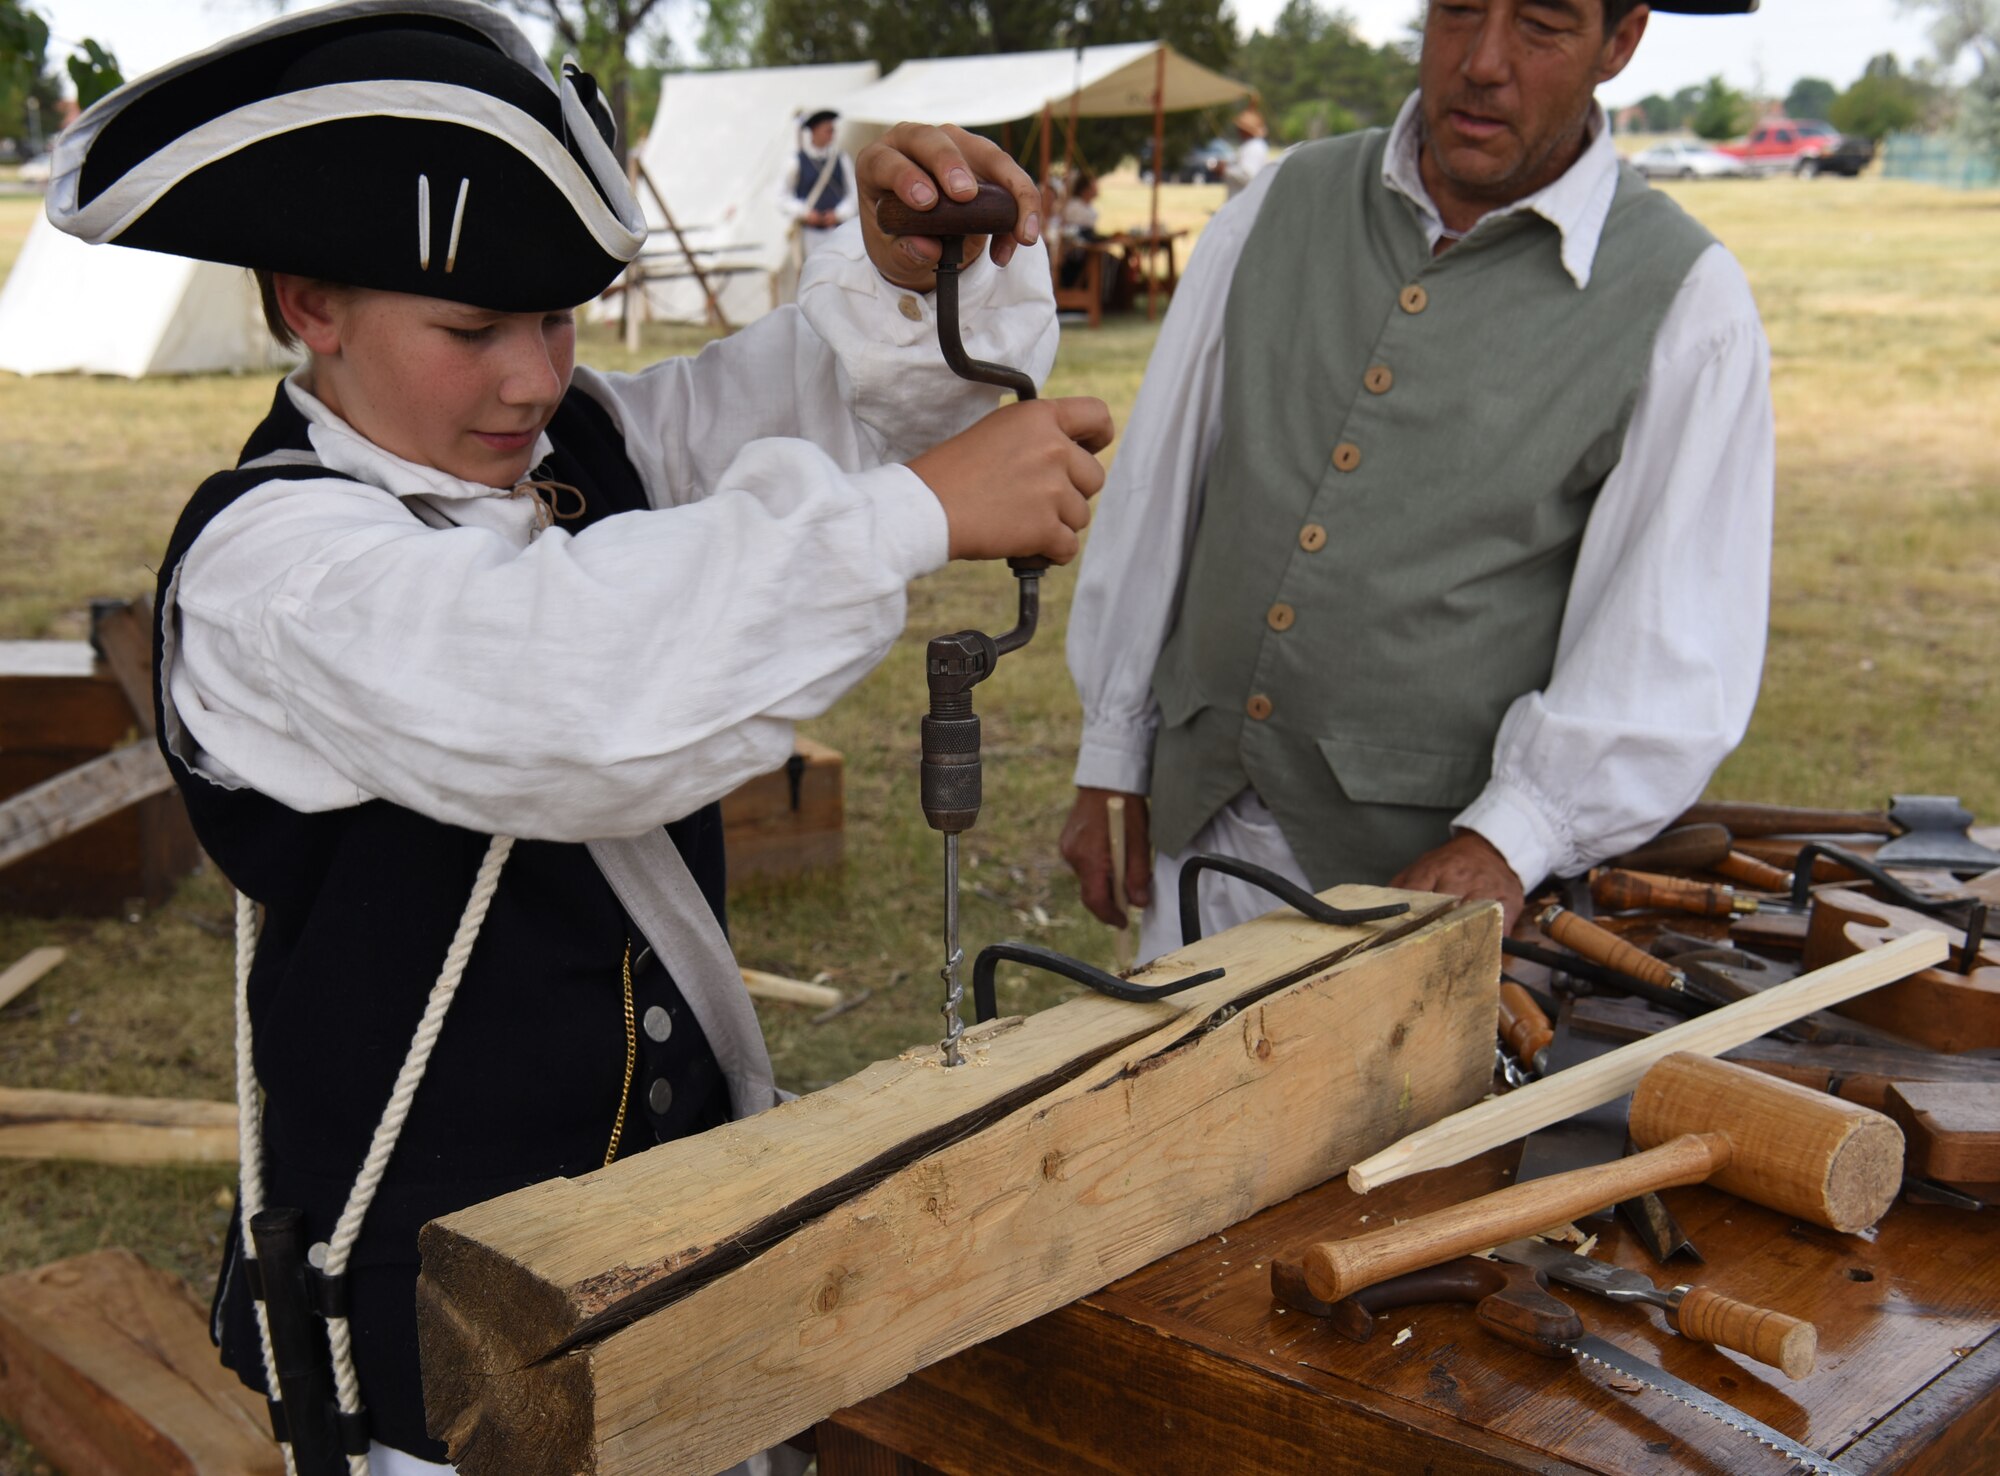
(1438, 550)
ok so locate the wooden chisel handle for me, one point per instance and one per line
(1523, 1024)
(1640, 891)
(1759, 876)
(1580, 935)
(1339, 1268)
(1771, 1338)
(1742, 820)
(1684, 848)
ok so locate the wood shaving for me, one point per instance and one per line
(1588, 1245)
(1627, 1386)
(1401, 1338)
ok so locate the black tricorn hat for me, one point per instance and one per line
(824, 115)
(410, 145)
(1705, 7)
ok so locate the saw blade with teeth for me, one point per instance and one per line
(1611, 1356)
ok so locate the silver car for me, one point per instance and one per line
(1684, 159)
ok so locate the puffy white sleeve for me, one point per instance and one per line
(1662, 643)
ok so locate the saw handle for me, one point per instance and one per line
(1513, 1302)
(1523, 1024)
(1599, 945)
(1339, 1268)
(1644, 891)
(991, 212)
(1771, 1338)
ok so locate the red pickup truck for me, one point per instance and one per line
(1799, 146)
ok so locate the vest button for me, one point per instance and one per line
(1281, 616)
(1379, 378)
(658, 1023)
(911, 308)
(660, 1095)
(1259, 707)
(1346, 456)
(1413, 299)
(1312, 538)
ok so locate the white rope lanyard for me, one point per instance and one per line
(347, 1386)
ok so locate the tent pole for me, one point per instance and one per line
(1046, 126)
(1159, 168)
(715, 313)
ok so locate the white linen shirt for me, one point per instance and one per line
(1662, 640)
(414, 637)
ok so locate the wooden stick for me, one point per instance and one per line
(1503, 1119)
(26, 969)
(57, 807)
(98, 1129)
(780, 990)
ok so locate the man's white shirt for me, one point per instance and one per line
(1662, 640)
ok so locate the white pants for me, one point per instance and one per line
(383, 1461)
(1244, 829)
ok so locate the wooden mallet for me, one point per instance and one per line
(1783, 1146)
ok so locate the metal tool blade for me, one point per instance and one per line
(1611, 1356)
(1614, 1282)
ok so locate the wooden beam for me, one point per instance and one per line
(122, 633)
(99, 1129)
(687, 1307)
(780, 990)
(81, 796)
(1609, 1077)
(106, 1368)
(26, 969)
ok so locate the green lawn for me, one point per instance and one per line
(1883, 305)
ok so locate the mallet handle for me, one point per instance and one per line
(991, 212)
(1339, 1268)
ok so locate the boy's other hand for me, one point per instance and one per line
(1017, 485)
(911, 161)
(1086, 845)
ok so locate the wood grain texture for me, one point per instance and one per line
(1783, 1342)
(104, 1129)
(780, 990)
(1953, 1129)
(766, 834)
(106, 1367)
(1608, 1077)
(60, 806)
(1188, 1367)
(1944, 1008)
(1860, 1074)
(1235, 1094)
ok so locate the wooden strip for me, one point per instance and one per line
(123, 635)
(1179, 1131)
(106, 1368)
(100, 1129)
(82, 796)
(26, 969)
(778, 988)
(1608, 1077)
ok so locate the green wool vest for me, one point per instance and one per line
(1411, 446)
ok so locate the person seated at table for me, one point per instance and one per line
(1079, 227)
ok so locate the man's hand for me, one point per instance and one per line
(1086, 845)
(1466, 866)
(1018, 484)
(910, 161)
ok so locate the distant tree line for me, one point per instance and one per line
(30, 91)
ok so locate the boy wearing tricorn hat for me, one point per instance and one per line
(454, 664)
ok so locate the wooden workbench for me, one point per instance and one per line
(1189, 1367)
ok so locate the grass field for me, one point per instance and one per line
(1883, 306)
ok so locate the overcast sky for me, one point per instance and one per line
(1768, 51)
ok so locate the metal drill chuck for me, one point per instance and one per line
(949, 776)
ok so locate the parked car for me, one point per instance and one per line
(1685, 159)
(1801, 146)
(1202, 164)
(1849, 155)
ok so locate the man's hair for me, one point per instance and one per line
(1616, 10)
(274, 319)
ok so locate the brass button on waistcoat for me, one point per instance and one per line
(1312, 538)
(1378, 380)
(1281, 616)
(1346, 456)
(1259, 707)
(1413, 299)
(911, 308)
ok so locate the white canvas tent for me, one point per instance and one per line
(1105, 81)
(718, 148)
(69, 307)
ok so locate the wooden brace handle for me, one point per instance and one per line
(1637, 891)
(1756, 1332)
(1523, 1025)
(1339, 1268)
(1580, 935)
(991, 212)
(1758, 875)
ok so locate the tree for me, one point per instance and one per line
(601, 34)
(1811, 97)
(1312, 68)
(1723, 112)
(93, 71)
(1961, 26)
(1883, 101)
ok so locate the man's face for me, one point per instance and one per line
(822, 135)
(1506, 88)
(458, 388)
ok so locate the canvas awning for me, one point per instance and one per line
(1105, 81)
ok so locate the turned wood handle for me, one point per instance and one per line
(1523, 1025)
(1684, 848)
(1784, 820)
(1756, 1332)
(1580, 935)
(1339, 1268)
(1748, 871)
(1638, 891)
(991, 212)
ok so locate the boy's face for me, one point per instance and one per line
(462, 389)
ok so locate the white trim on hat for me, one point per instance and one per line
(618, 228)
